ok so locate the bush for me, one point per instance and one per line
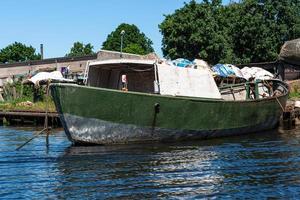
(18, 92)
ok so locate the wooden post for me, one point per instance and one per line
(1, 97)
(256, 89)
(281, 70)
(14, 93)
(21, 93)
(34, 94)
(248, 96)
(46, 115)
(288, 120)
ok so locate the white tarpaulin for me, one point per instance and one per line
(256, 73)
(177, 81)
(56, 75)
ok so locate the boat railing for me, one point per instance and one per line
(255, 90)
(156, 81)
(86, 72)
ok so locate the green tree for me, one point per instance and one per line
(80, 49)
(18, 52)
(250, 31)
(262, 28)
(195, 31)
(134, 41)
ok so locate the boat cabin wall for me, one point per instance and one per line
(137, 81)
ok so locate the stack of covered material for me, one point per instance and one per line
(253, 73)
(256, 73)
(226, 70)
(197, 63)
(181, 62)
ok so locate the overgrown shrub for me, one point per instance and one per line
(17, 92)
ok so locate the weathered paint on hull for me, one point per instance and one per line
(102, 116)
(94, 131)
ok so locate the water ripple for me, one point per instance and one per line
(256, 166)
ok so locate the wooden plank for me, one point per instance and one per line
(28, 113)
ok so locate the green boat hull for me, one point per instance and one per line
(103, 116)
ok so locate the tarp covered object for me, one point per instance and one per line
(177, 81)
(256, 73)
(290, 52)
(225, 70)
(181, 62)
(201, 64)
(41, 76)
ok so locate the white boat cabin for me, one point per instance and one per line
(150, 76)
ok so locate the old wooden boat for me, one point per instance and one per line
(159, 102)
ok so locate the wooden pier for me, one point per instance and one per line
(35, 118)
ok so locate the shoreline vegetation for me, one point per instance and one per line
(294, 90)
(294, 96)
(19, 105)
(26, 97)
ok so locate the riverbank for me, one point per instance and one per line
(41, 106)
(28, 113)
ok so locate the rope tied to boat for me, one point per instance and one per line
(35, 136)
(271, 88)
(280, 104)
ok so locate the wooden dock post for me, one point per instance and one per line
(46, 111)
(288, 120)
(289, 117)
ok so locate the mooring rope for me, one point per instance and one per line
(39, 133)
(46, 128)
(283, 110)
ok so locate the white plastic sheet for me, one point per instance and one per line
(256, 73)
(190, 82)
(56, 75)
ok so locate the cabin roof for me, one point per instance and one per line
(115, 63)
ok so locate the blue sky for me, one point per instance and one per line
(59, 23)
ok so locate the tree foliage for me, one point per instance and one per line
(262, 28)
(80, 49)
(134, 41)
(18, 52)
(250, 31)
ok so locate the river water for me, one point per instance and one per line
(257, 166)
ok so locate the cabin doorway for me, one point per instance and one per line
(138, 78)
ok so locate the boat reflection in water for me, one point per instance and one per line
(133, 171)
(257, 166)
(229, 167)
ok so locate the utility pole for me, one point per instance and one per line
(122, 40)
(42, 51)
